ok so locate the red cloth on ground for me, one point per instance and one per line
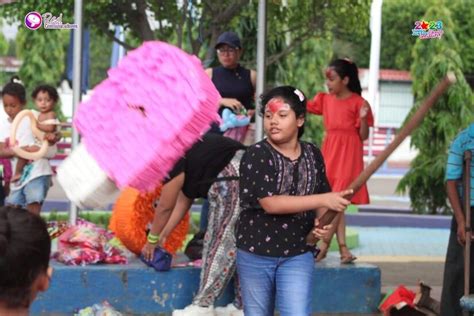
(399, 298)
(342, 146)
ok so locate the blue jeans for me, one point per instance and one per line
(288, 280)
(34, 191)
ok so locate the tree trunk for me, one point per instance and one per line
(142, 24)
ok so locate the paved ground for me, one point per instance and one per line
(404, 255)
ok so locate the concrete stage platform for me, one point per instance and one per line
(138, 290)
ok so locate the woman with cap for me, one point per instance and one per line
(235, 83)
(236, 86)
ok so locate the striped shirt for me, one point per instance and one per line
(454, 168)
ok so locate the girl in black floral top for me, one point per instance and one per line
(282, 183)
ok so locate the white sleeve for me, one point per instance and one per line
(4, 130)
(24, 135)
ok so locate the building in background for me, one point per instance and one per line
(393, 103)
(9, 65)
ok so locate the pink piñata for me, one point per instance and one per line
(146, 114)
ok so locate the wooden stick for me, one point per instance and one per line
(467, 213)
(406, 130)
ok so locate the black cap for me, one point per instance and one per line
(229, 38)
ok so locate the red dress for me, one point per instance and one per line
(342, 146)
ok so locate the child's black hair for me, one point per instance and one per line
(25, 247)
(292, 96)
(53, 93)
(15, 88)
(346, 68)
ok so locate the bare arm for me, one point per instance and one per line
(47, 128)
(166, 204)
(6, 152)
(31, 149)
(364, 126)
(253, 78)
(364, 129)
(181, 208)
(454, 200)
(286, 204)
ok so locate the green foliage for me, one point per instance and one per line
(314, 130)
(398, 17)
(299, 35)
(194, 26)
(299, 45)
(100, 218)
(100, 51)
(42, 53)
(432, 60)
(463, 15)
(291, 27)
(11, 48)
(307, 74)
(3, 45)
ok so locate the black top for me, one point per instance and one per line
(203, 162)
(233, 83)
(266, 172)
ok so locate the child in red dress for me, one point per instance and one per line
(347, 117)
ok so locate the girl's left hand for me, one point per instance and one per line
(364, 111)
(321, 233)
(148, 250)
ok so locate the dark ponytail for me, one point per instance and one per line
(346, 68)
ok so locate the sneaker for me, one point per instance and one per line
(194, 310)
(229, 310)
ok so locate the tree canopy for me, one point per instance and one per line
(432, 60)
(298, 33)
(195, 26)
(398, 17)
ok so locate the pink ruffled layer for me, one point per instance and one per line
(153, 106)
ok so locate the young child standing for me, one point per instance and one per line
(282, 183)
(25, 247)
(347, 117)
(32, 191)
(45, 97)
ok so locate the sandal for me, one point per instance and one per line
(323, 251)
(348, 257)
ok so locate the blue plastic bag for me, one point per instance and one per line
(161, 260)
